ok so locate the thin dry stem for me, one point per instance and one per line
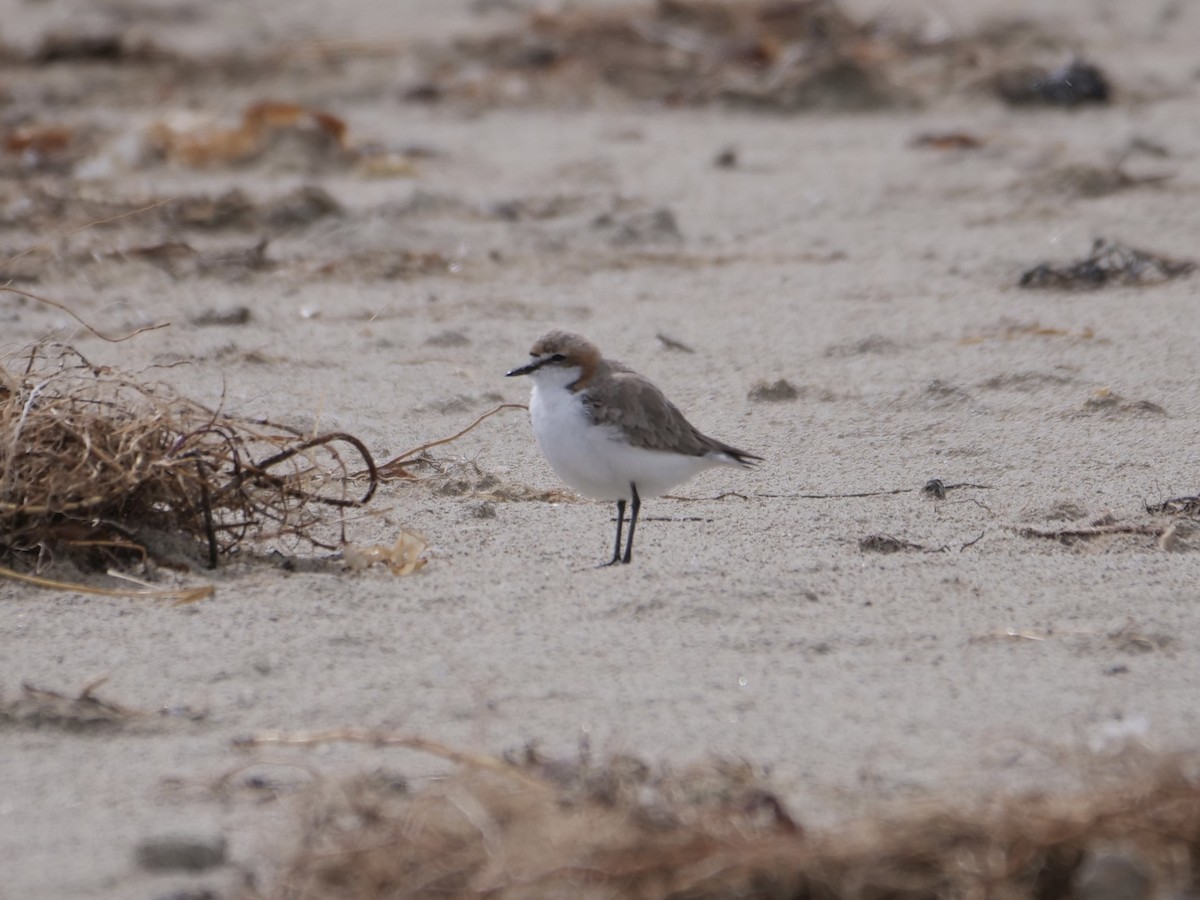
(64, 308)
(394, 467)
(179, 596)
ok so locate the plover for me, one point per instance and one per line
(611, 434)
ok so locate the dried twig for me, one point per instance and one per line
(60, 306)
(1176, 506)
(180, 596)
(1090, 531)
(394, 467)
(935, 488)
(973, 541)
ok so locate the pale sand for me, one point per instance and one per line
(877, 278)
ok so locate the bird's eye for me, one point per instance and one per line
(557, 357)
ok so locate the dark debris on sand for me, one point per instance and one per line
(1077, 83)
(1109, 262)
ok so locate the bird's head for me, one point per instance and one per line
(561, 358)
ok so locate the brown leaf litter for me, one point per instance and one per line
(289, 136)
(319, 137)
(529, 827)
(779, 55)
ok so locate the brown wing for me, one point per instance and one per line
(632, 403)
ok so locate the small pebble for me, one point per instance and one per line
(189, 853)
(448, 338)
(238, 315)
(200, 893)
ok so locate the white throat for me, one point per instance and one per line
(551, 378)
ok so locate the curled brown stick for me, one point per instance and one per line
(259, 471)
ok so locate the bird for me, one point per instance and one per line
(610, 433)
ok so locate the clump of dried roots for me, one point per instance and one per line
(527, 828)
(101, 465)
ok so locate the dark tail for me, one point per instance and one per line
(741, 457)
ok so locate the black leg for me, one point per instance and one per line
(620, 522)
(633, 513)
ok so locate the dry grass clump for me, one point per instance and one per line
(103, 465)
(531, 829)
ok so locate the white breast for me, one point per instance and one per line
(594, 460)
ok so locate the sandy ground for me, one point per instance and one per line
(877, 278)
